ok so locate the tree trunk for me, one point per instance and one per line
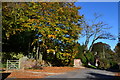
(86, 44)
(92, 45)
(39, 54)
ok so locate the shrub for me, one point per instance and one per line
(90, 56)
(104, 63)
(113, 65)
(83, 59)
(17, 56)
(10, 55)
(2, 65)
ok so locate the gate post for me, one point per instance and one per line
(19, 63)
(7, 65)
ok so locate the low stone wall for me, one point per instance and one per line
(29, 63)
(32, 63)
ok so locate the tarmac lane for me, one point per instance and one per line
(87, 73)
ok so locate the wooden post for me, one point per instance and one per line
(119, 65)
(19, 63)
(7, 65)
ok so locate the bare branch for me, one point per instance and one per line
(97, 30)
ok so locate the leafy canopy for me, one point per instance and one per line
(57, 22)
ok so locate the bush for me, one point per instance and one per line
(104, 64)
(108, 64)
(90, 57)
(10, 56)
(2, 65)
(83, 59)
(16, 55)
(71, 63)
(114, 65)
(86, 57)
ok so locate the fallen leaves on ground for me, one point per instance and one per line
(118, 74)
(54, 69)
(41, 73)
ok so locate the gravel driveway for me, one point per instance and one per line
(87, 73)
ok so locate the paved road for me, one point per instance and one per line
(86, 73)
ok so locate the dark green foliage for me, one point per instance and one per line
(2, 65)
(11, 56)
(84, 56)
(80, 51)
(104, 64)
(105, 55)
(71, 63)
(113, 65)
(19, 42)
(90, 56)
(80, 54)
(117, 51)
(108, 64)
(83, 59)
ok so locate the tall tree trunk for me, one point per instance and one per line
(91, 45)
(86, 43)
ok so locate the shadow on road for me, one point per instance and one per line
(103, 76)
(112, 70)
(2, 70)
(4, 75)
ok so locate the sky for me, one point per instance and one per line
(109, 12)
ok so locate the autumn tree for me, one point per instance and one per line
(94, 30)
(103, 50)
(55, 22)
(14, 37)
(105, 55)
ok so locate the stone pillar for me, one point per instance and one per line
(22, 62)
(40, 56)
(77, 63)
(96, 62)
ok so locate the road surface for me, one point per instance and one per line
(88, 74)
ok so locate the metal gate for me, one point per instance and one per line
(13, 64)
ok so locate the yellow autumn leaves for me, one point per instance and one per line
(51, 50)
(51, 36)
